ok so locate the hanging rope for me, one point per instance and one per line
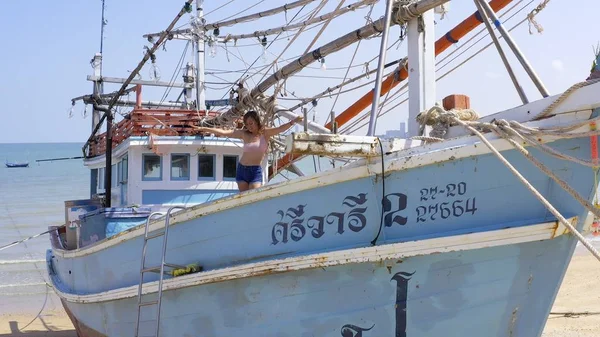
(505, 131)
(535, 12)
(14, 243)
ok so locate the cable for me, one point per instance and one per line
(243, 11)
(216, 9)
(374, 242)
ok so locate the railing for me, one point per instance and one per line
(143, 122)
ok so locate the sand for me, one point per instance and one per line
(580, 292)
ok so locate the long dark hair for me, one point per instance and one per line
(254, 115)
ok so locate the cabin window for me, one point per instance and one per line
(180, 166)
(152, 166)
(124, 170)
(229, 167)
(101, 179)
(206, 167)
(114, 180)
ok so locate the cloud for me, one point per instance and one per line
(558, 65)
(492, 75)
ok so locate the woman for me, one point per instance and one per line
(255, 137)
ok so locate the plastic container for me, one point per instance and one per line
(107, 222)
(74, 209)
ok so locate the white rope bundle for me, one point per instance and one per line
(406, 11)
(441, 120)
(533, 13)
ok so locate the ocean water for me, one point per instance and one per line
(31, 199)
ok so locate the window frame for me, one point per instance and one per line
(214, 167)
(144, 178)
(237, 161)
(187, 155)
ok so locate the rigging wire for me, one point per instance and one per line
(362, 118)
(175, 73)
(367, 17)
(216, 9)
(267, 47)
(442, 76)
(314, 12)
(243, 11)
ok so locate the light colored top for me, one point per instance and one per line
(254, 150)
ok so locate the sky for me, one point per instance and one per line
(47, 48)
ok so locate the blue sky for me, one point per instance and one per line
(48, 45)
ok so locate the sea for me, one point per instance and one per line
(32, 198)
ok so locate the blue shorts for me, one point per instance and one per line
(249, 174)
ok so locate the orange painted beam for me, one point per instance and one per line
(390, 82)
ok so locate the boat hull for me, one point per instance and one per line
(496, 291)
(9, 165)
(462, 196)
(508, 286)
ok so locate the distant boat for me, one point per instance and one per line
(15, 165)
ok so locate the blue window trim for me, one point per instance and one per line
(171, 167)
(237, 159)
(144, 155)
(214, 173)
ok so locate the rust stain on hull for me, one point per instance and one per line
(81, 329)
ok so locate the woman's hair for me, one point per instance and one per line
(254, 115)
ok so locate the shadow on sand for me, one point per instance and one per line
(50, 331)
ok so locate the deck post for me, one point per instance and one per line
(421, 71)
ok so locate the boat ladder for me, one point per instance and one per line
(157, 269)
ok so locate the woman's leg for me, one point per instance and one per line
(252, 186)
(242, 186)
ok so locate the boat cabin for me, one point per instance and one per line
(157, 161)
(168, 171)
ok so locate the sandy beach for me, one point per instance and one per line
(578, 294)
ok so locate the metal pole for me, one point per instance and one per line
(511, 73)
(513, 46)
(108, 168)
(380, 65)
(102, 35)
(305, 112)
(333, 122)
(200, 58)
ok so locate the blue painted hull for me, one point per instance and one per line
(483, 292)
(500, 291)
(16, 165)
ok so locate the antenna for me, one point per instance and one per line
(102, 24)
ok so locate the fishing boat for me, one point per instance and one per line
(16, 164)
(462, 225)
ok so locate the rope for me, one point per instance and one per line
(428, 139)
(406, 11)
(14, 243)
(572, 314)
(441, 119)
(504, 130)
(564, 96)
(533, 13)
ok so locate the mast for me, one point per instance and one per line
(102, 24)
(421, 82)
(200, 56)
(98, 89)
